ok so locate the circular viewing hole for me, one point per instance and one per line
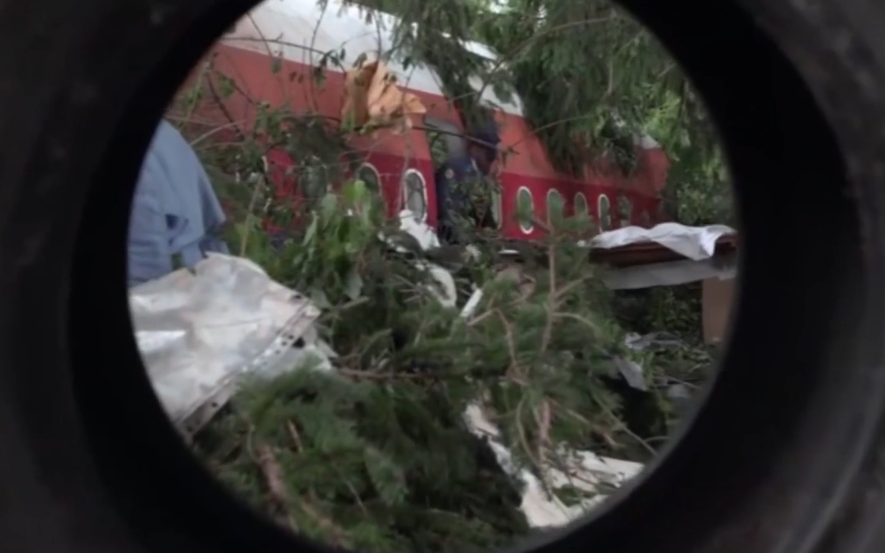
(368, 426)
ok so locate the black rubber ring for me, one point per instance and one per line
(784, 454)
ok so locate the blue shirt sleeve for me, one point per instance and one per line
(149, 253)
(175, 210)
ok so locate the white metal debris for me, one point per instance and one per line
(201, 331)
(584, 470)
(426, 239)
(421, 231)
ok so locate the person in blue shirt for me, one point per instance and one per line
(454, 180)
(175, 212)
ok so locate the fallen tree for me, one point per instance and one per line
(377, 454)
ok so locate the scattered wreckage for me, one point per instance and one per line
(202, 331)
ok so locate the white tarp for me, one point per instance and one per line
(695, 243)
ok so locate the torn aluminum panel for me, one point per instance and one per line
(199, 331)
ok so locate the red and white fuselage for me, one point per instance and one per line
(281, 38)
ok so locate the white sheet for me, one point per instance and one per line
(695, 243)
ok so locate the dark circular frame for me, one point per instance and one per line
(783, 456)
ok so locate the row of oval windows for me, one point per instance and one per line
(414, 191)
(556, 206)
(415, 199)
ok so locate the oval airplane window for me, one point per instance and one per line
(625, 211)
(581, 207)
(525, 209)
(497, 204)
(605, 215)
(555, 206)
(415, 194)
(370, 176)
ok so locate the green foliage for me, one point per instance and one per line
(376, 455)
(364, 467)
(234, 153)
(698, 189)
(673, 309)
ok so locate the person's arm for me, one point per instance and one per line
(149, 257)
(213, 214)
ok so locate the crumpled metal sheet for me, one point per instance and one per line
(200, 331)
